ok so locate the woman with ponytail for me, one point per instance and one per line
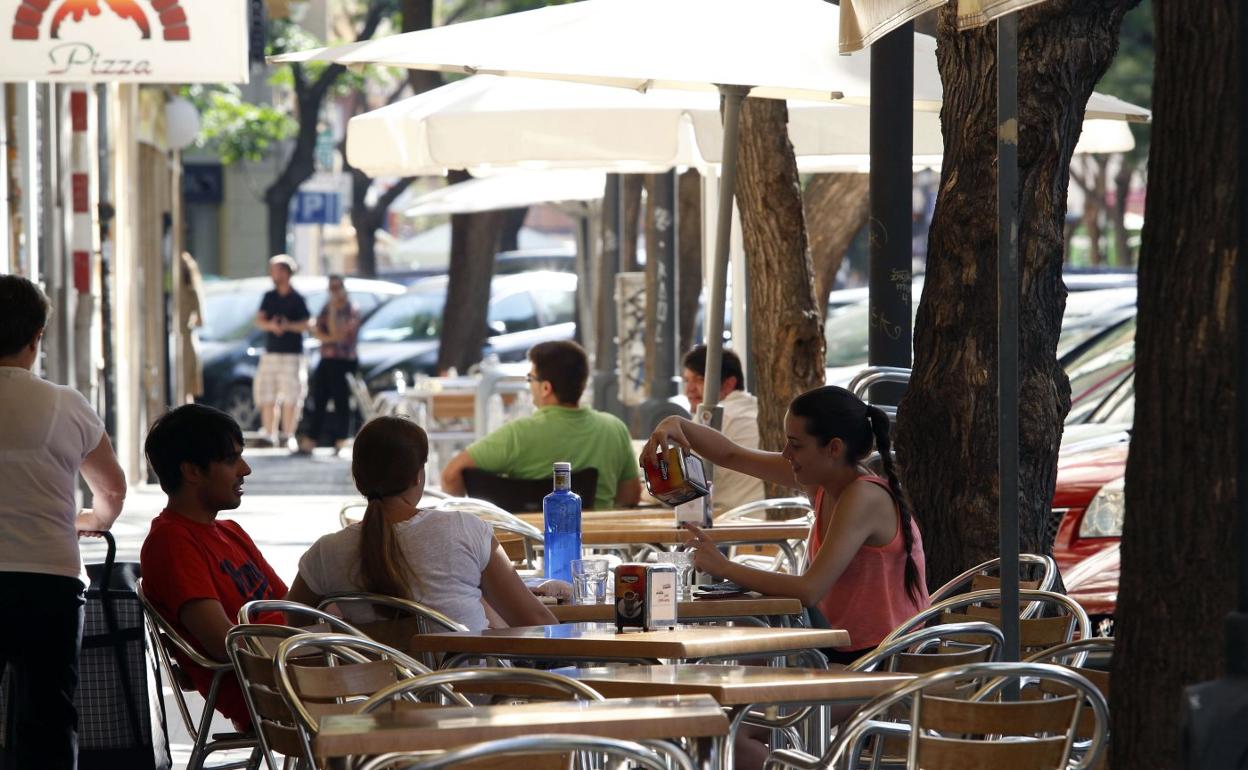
(866, 567)
(446, 560)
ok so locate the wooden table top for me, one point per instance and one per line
(692, 716)
(738, 685)
(745, 607)
(589, 641)
(665, 532)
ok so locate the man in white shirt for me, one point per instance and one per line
(740, 422)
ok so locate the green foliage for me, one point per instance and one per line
(234, 128)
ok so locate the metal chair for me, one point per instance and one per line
(1101, 648)
(271, 717)
(511, 682)
(406, 618)
(170, 645)
(321, 620)
(500, 521)
(953, 733)
(353, 512)
(1035, 634)
(356, 668)
(652, 756)
(762, 511)
(980, 578)
(370, 406)
(525, 494)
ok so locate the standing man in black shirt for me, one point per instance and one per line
(282, 376)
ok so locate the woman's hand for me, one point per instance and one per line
(706, 555)
(559, 589)
(91, 524)
(670, 430)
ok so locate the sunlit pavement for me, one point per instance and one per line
(288, 502)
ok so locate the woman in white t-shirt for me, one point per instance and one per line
(48, 434)
(446, 560)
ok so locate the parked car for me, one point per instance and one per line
(401, 339)
(230, 343)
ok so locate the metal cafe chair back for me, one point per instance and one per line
(514, 683)
(653, 755)
(1036, 572)
(270, 716)
(169, 644)
(397, 620)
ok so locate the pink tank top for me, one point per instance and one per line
(869, 599)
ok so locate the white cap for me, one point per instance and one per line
(566, 467)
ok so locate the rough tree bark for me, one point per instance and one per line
(1178, 557)
(785, 321)
(688, 256)
(836, 208)
(474, 242)
(947, 427)
(309, 96)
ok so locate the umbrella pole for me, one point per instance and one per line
(709, 411)
(1007, 326)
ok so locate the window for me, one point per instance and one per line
(558, 306)
(515, 312)
(414, 316)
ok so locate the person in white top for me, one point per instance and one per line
(50, 434)
(449, 561)
(740, 422)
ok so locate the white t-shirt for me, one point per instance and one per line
(46, 431)
(740, 423)
(446, 550)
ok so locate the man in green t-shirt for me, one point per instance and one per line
(560, 431)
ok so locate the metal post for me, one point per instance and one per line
(1007, 331)
(661, 366)
(107, 319)
(56, 343)
(605, 385)
(708, 412)
(892, 143)
(8, 259)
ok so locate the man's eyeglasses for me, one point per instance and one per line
(530, 378)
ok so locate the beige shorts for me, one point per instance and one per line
(281, 377)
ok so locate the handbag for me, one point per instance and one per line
(121, 709)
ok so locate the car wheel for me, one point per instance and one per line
(240, 404)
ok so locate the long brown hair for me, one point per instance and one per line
(387, 459)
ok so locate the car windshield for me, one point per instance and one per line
(1099, 368)
(412, 316)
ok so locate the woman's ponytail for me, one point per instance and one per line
(880, 427)
(382, 564)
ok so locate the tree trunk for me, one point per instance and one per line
(785, 321)
(836, 208)
(1122, 191)
(1178, 558)
(509, 236)
(367, 220)
(633, 184)
(688, 256)
(474, 242)
(947, 427)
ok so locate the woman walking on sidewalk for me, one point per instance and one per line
(336, 327)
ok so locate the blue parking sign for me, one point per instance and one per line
(317, 208)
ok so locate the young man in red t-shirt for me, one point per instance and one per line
(198, 571)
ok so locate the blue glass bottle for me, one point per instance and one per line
(561, 510)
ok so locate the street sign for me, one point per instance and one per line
(314, 207)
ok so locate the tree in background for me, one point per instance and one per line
(786, 322)
(1179, 557)
(948, 417)
(836, 207)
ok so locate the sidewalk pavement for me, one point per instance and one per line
(288, 502)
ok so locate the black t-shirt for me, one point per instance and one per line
(292, 308)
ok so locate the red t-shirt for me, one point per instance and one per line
(184, 560)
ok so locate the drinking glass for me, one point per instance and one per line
(683, 562)
(589, 581)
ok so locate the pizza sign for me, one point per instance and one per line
(149, 41)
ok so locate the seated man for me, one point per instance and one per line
(560, 431)
(740, 422)
(198, 571)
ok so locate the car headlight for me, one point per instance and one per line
(1105, 513)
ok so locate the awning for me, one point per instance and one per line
(865, 21)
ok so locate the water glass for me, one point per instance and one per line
(589, 581)
(683, 562)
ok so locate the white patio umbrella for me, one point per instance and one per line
(783, 49)
(865, 21)
(508, 191)
(487, 123)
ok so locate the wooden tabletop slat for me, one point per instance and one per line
(696, 609)
(738, 685)
(596, 640)
(666, 533)
(691, 716)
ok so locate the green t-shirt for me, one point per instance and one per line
(526, 448)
